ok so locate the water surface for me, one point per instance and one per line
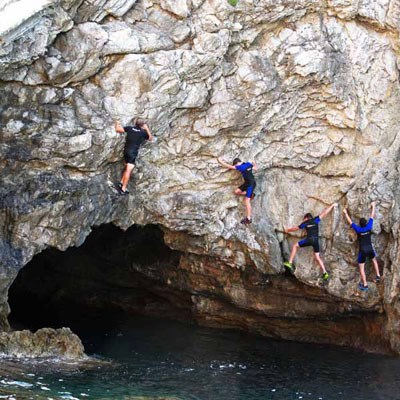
(164, 358)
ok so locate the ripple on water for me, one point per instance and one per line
(162, 359)
(16, 383)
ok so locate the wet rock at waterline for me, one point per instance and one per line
(309, 89)
(44, 343)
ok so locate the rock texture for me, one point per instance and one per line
(44, 343)
(115, 274)
(309, 89)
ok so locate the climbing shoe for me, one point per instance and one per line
(377, 279)
(325, 276)
(288, 265)
(362, 287)
(263, 281)
(119, 185)
(245, 221)
(123, 192)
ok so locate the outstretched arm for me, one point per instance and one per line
(347, 216)
(327, 210)
(293, 229)
(118, 127)
(147, 129)
(224, 164)
(373, 205)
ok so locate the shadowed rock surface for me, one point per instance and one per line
(116, 273)
(309, 89)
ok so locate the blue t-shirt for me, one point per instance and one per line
(311, 226)
(364, 229)
(246, 169)
(364, 234)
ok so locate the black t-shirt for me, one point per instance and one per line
(311, 226)
(135, 136)
(365, 240)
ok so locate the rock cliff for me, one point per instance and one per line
(309, 89)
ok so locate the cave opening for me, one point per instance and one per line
(114, 275)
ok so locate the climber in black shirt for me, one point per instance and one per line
(310, 224)
(248, 186)
(366, 250)
(135, 136)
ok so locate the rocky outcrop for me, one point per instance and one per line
(44, 343)
(309, 89)
(115, 274)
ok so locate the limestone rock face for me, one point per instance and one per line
(44, 343)
(308, 89)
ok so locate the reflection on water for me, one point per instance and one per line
(163, 358)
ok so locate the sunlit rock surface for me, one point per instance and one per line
(308, 89)
(44, 343)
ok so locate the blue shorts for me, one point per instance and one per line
(364, 254)
(249, 189)
(310, 241)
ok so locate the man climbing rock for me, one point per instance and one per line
(135, 136)
(366, 250)
(247, 188)
(310, 224)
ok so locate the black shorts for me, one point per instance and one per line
(310, 241)
(364, 254)
(130, 156)
(248, 187)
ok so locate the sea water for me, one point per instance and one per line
(159, 358)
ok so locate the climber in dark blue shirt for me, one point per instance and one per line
(310, 224)
(366, 250)
(248, 186)
(135, 136)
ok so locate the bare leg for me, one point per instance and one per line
(239, 192)
(376, 266)
(248, 207)
(320, 262)
(120, 181)
(362, 274)
(126, 175)
(293, 253)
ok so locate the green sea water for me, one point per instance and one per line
(164, 359)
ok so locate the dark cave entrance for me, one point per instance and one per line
(112, 276)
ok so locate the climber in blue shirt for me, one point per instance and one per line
(310, 224)
(366, 250)
(248, 186)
